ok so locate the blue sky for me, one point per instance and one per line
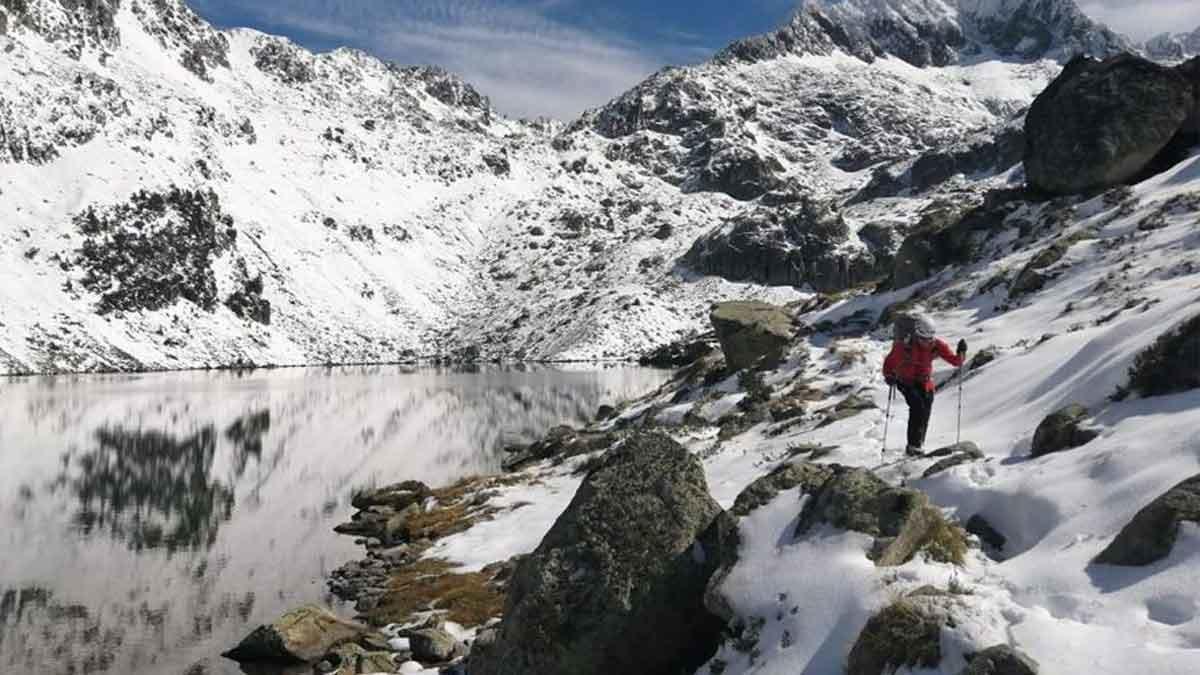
(559, 57)
(532, 57)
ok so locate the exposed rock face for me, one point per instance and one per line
(303, 635)
(617, 584)
(1151, 535)
(560, 441)
(1171, 364)
(1032, 278)
(1001, 660)
(1061, 430)
(738, 171)
(154, 250)
(794, 245)
(1173, 47)
(751, 332)
(947, 235)
(678, 354)
(808, 477)
(1102, 123)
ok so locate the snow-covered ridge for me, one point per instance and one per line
(1173, 46)
(389, 213)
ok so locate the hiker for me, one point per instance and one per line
(909, 368)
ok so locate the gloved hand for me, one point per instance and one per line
(962, 347)
(891, 381)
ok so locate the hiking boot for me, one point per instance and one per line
(914, 451)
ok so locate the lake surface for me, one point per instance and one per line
(148, 522)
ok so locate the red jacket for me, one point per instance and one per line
(912, 363)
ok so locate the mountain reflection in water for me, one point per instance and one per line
(148, 522)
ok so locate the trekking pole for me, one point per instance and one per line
(958, 433)
(887, 418)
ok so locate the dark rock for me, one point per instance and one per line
(905, 634)
(1102, 123)
(352, 659)
(1171, 364)
(561, 441)
(1151, 535)
(303, 635)
(678, 354)
(739, 172)
(248, 303)
(848, 407)
(397, 496)
(605, 412)
(1031, 279)
(980, 527)
(794, 245)
(947, 235)
(283, 60)
(955, 455)
(1061, 431)
(434, 645)
(1001, 660)
(617, 584)
(982, 358)
(751, 333)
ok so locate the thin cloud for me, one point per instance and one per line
(1142, 20)
(528, 64)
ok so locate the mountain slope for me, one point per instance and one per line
(340, 209)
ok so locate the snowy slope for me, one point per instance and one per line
(1129, 276)
(361, 211)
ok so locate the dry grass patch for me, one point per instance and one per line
(431, 584)
(946, 541)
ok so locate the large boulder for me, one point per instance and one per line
(1062, 430)
(802, 243)
(434, 645)
(1151, 535)
(750, 332)
(1103, 123)
(1171, 364)
(1001, 660)
(302, 635)
(617, 584)
(905, 634)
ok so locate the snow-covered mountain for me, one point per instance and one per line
(1173, 46)
(179, 196)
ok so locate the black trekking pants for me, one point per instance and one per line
(920, 407)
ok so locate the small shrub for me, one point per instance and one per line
(946, 542)
(903, 634)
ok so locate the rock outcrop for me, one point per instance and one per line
(617, 584)
(751, 333)
(1062, 430)
(1152, 533)
(1103, 123)
(794, 245)
(952, 456)
(907, 633)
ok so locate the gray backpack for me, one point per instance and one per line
(908, 327)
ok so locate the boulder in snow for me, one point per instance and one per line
(1103, 123)
(1151, 535)
(1001, 660)
(434, 645)
(617, 584)
(907, 633)
(952, 456)
(1171, 364)
(751, 332)
(1062, 430)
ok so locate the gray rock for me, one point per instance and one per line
(434, 645)
(304, 635)
(1102, 123)
(561, 441)
(617, 584)
(902, 520)
(1031, 279)
(751, 332)
(809, 477)
(1061, 431)
(848, 407)
(792, 245)
(1151, 535)
(948, 234)
(738, 171)
(1001, 660)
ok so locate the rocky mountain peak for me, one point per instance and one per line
(1173, 46)
(78, 26)
(935, 32)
